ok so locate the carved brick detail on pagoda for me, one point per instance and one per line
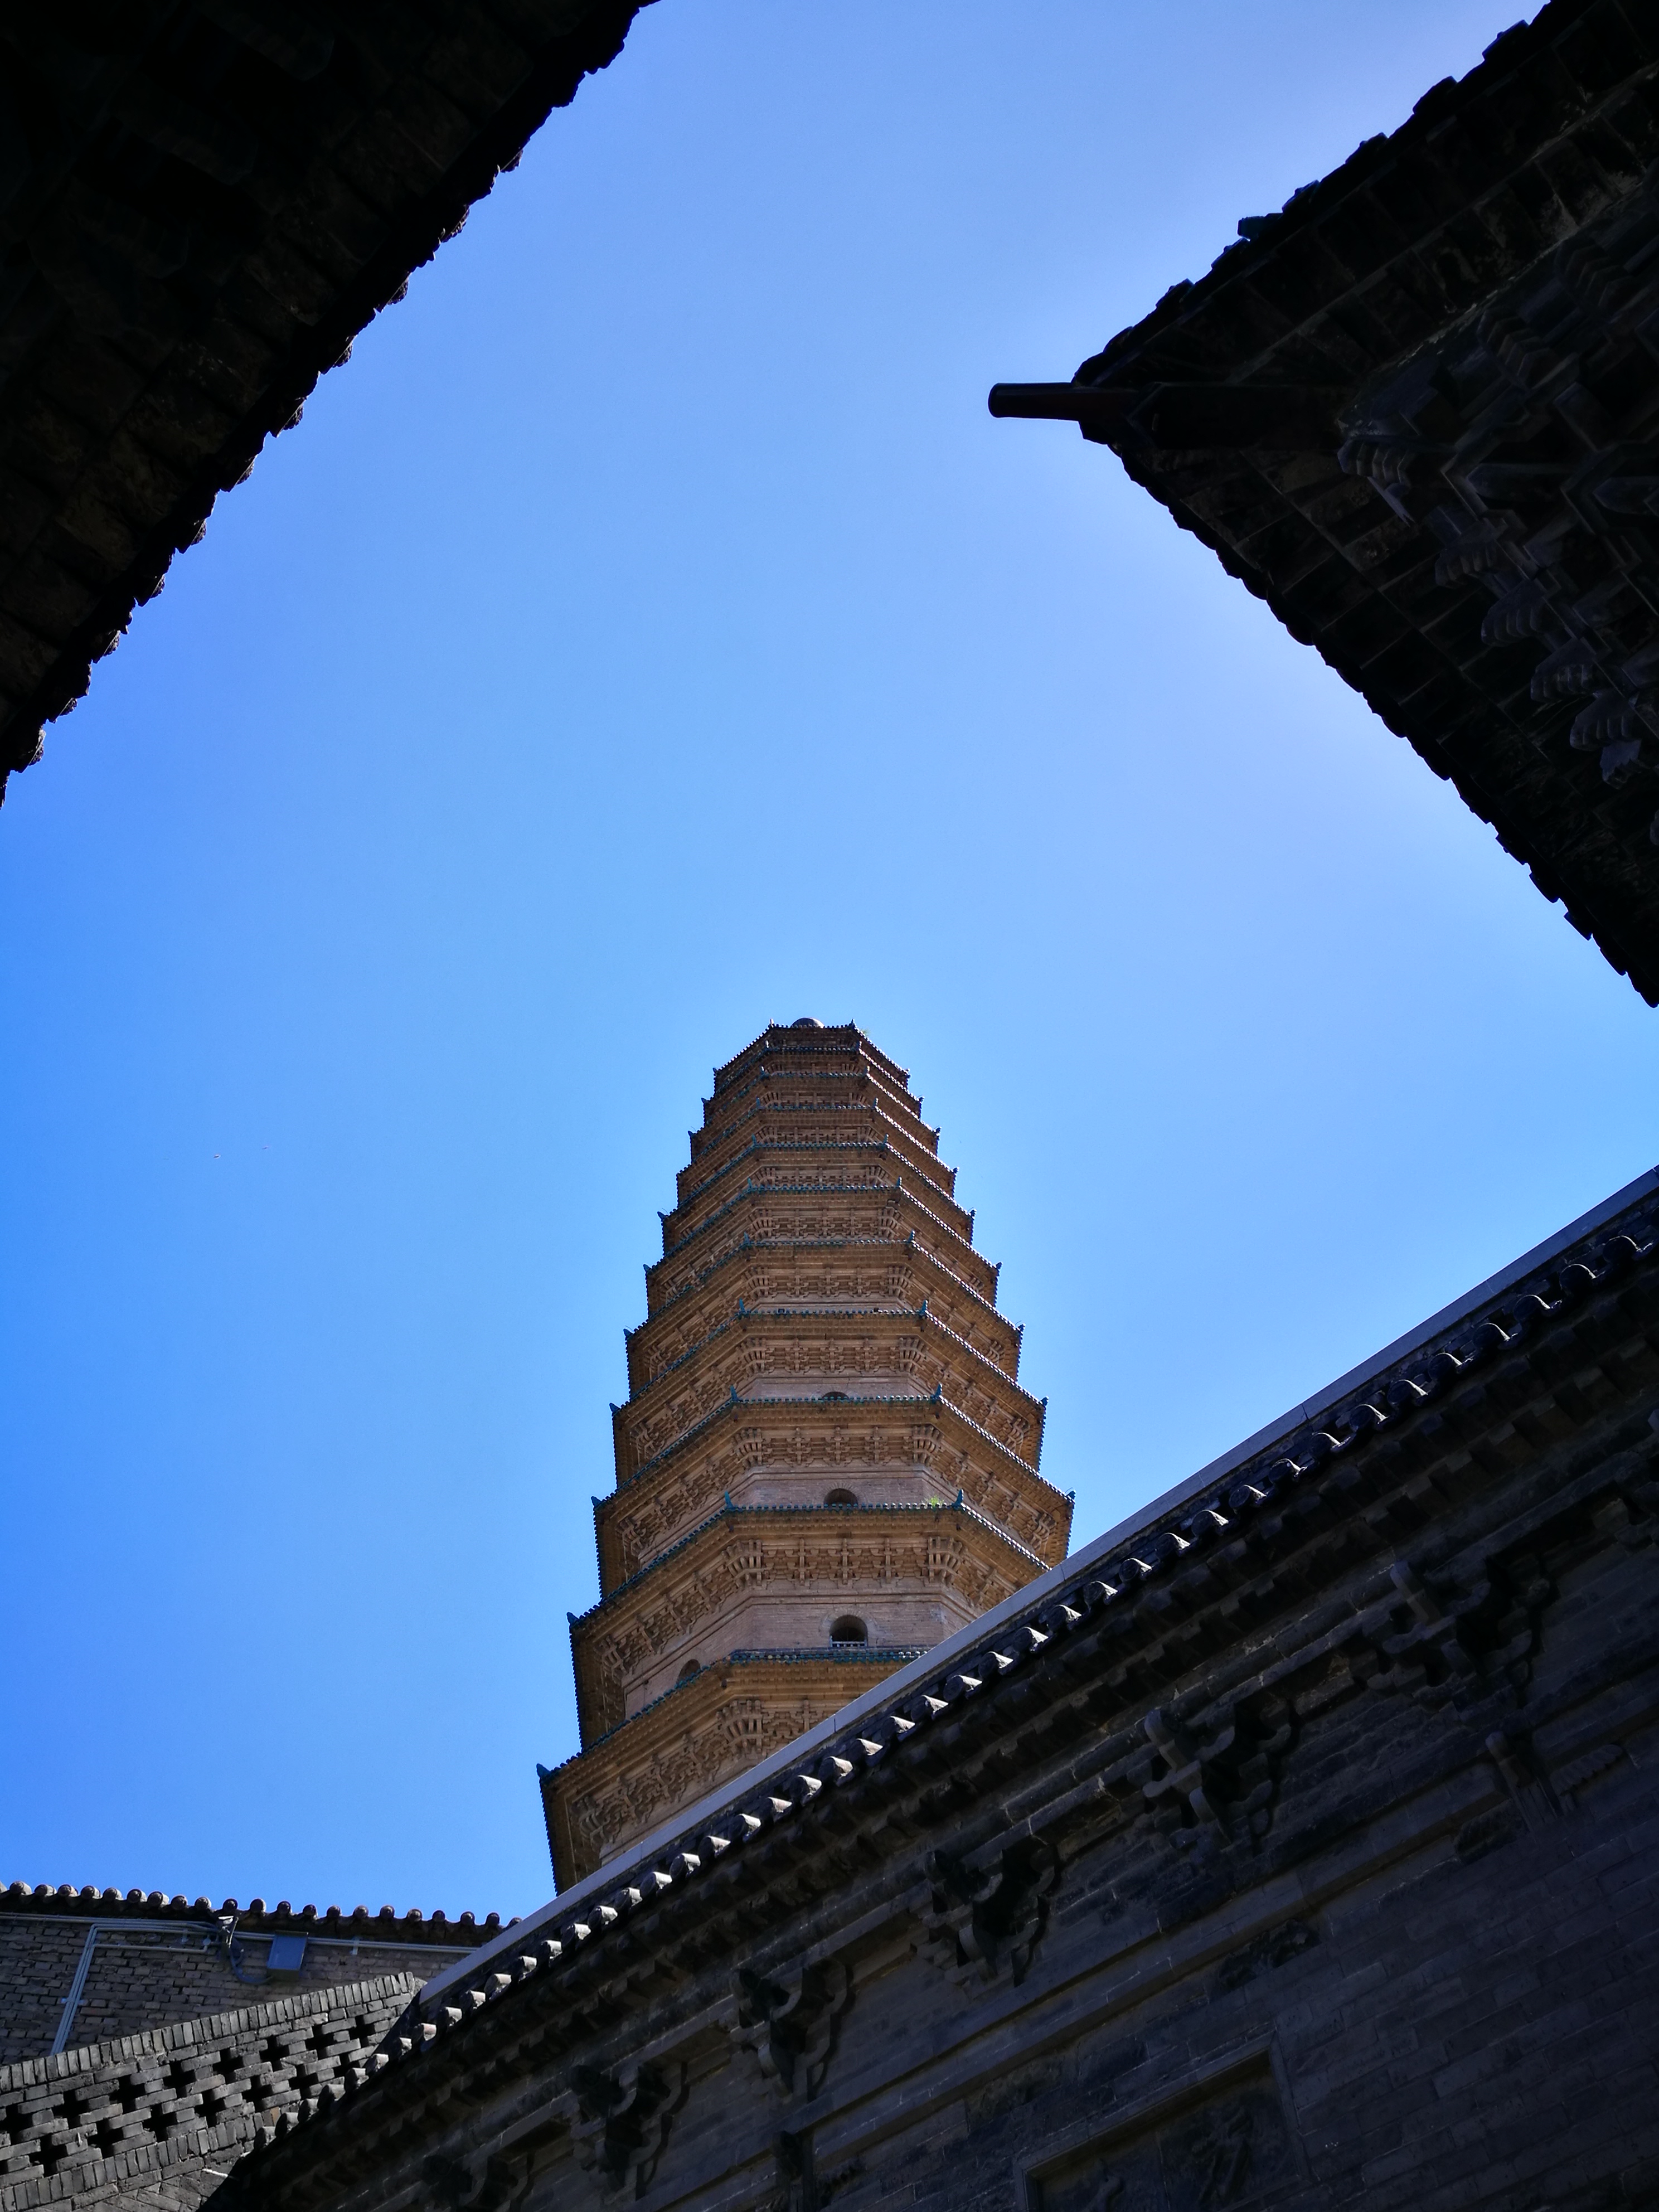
(826, 1463)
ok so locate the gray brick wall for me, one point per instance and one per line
(1297, 1851)
(161, 2116)
(152, 1964)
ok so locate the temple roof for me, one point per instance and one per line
(206, 204)
(1416, 412)
(42, 1899)
(1073, 1658)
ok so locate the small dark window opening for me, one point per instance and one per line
(692, 1667)
(834, 1398)
(840, 1497)
(850, 1629)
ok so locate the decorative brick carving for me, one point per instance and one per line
(1202, 2151)
(984, 1923)
(788, 2019)
(622, 2119)
(753, 1402)
(156, 2110)
(1226, 1778)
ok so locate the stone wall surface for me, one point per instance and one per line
(1294, 1846)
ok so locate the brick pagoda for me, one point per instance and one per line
(825, 1465)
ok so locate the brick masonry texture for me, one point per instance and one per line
(160, 2118)
(825, 1425)
(155, 1960)
(1293, 1846)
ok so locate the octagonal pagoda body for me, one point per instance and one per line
(826, 1463)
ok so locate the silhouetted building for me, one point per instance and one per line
(1294, 1845)
(1417, 411)
(202, 202)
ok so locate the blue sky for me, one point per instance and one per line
(649, 634)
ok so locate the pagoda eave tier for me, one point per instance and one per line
(802, 1046)
(811, 1168)
(821, 1092)
(691, 1741)
(880, 1209)
(869, 1351)
(833, 1272)
(905, 1451)
(840, 1055)
(777, 1575)
(796, 1125)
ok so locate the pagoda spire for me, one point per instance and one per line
(826, 1462)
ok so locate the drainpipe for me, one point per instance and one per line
(223, 1940)
(72, 2001)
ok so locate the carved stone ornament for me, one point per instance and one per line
(1467, 1643)
(1234, 2147)
(983, 1923)
(1224, 1781)
(789, 2022)
(483, 2185)
(622, 2121)
(1493, 438)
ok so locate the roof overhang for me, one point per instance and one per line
(206, 205)
(1418, 413)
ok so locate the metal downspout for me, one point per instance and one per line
(72, 2001)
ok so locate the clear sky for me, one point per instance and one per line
(649, 634)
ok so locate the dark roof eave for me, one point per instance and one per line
(1031, 1630)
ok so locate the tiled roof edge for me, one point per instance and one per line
(1510, 50)
(1463, 1334)
(92, 1904)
